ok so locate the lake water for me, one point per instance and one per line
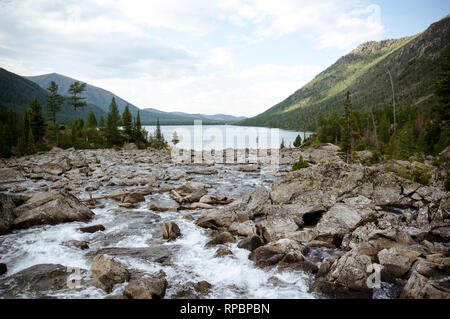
(219, 137)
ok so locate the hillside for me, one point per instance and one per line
(17, 92)
(102, 98)
(412, 61)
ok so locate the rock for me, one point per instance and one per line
(279, 222)
(37, 281)
(272, 253)
(222, 238)
(421, 287)
(203, 171)
(133, 198)
(318, 243)
(154, 253)
(241, 210)
(107, 272)
(156, 208)
(91, 229)
(51, 208)
(396, 262)
(325, 266)
(53, 169)
(295, 260)
(246, 228)
(76, 243)
(251, 243)
(303, 236)
(223, 251)
(338, 221)
(171, 231)
(195, 196)
(146, 288)
(3, 269)
(8, 175)
(201, 206)
(203, 287)
(350, 272)
(7, 216)
(130, 147)
(214, 200)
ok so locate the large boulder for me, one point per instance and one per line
(50, 209)
(7, 216)
(222, 238)
(274, 252)
(340, 220)
(251, 243)
(171, 231)
(146, 288)
(243, 209)
(154, 253)
(350, 272)
(37, 281)
(396, 262)
(421, 287)
(106, 272)
(279, 222)
(8, 175)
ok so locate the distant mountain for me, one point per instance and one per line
(102, 98)
(17, 92)
(412, 61)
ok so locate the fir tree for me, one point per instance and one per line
(298, 141)
(101, 123)
(31, 148)
(347, 129)
(37, 121)
(112, 123)
(75, 99)
(54, 101)
(92, 121)
(127, 122)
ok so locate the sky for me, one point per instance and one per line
(237, 57)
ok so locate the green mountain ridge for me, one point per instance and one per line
(412, 61)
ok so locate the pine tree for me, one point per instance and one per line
(37, 122)
(112, 123)
(137, 130)
(298, 141)
(127, 122)
(54, 101)
(75, 89)
(101, 123)
(392, 148)
(31, 148)
(282, 146)
(92, 121)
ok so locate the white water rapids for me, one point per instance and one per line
(232, 276)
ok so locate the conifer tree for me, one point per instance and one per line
(101, 123)
(298, 141)
(54, 101)
(92, 121)
(31, 148)
(127, 121)
(75, 99)
(112, 123)
(37, 121)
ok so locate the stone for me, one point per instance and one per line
(421, 287)
(296, 261)
(201, 206)
(7, 216)
(273, 252)
(325, 266)
(396, 262)
(107, 272)
(223, 251)
(203, 287)
(146, 288)
(154, 253)
(77, 244)
(222, 238)
(53, 169)
(133, 198)
(9, 175)
(91, 229)
(49, 209)
(251, 243)
(171, 231)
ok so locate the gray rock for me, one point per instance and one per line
(106, 272)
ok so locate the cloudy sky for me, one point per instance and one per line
(237, 57)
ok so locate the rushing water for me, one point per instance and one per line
(231, 276)
(218, 137)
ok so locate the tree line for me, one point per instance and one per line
(34, 134)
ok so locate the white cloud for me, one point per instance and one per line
(177, 55)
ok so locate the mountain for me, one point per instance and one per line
(102, 98)
(412, 61)
(16, 93)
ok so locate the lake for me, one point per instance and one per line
(219, 137)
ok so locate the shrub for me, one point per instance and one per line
(300, 164)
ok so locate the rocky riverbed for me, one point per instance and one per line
(132, 224)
